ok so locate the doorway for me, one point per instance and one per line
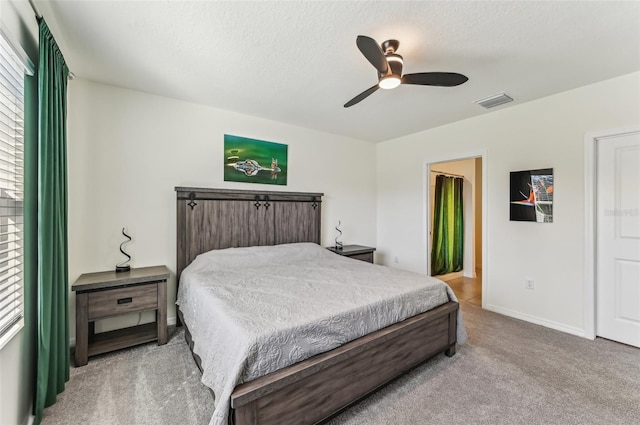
(466, 276)
(613, 236)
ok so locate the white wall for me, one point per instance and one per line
(16, 384)
(545, 133)
(466, 169)
(16, 358)
(127, 151)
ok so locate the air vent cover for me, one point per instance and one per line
(495, 100)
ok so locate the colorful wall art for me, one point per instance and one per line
(254, 161)
(532, 196)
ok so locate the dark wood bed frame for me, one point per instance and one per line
(317, 388)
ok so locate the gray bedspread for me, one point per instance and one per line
(255, 310)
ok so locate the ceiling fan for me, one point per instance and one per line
(389, 66)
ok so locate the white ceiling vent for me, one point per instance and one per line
(495, 100)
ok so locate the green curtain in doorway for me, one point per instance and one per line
(53, 288)
(447, 245)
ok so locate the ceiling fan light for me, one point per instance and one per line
(392, 57)
(389, 82)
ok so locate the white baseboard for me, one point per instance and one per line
(171, 321)
(469, 274)
(30, 420)
(538, 321)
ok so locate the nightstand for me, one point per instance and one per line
(108, 294)
(357, 252)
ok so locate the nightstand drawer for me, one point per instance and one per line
(122, 300)
(368, 257)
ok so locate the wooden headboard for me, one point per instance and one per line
(222, 218)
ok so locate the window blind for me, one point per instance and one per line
(11, 188)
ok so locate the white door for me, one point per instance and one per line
(618, 238)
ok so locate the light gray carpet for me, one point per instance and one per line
(510, 372)
(146, 385)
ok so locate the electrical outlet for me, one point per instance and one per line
(395, 260)
(529, 284)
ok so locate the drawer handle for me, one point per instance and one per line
(125, 300)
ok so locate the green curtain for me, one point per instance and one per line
(447, 244)
(53, 321)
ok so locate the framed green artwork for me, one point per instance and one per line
(254, 161)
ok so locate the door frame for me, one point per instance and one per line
(426, 202)
(590, 221)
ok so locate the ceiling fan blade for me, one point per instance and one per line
(442, 79)
(372, 51)
(368, 92)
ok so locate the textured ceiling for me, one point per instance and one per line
(297, 62)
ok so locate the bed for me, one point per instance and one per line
(339, 363)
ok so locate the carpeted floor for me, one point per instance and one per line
(509, 372)
(146, 385)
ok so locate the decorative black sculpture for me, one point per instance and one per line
(338, 243)
(124, 267)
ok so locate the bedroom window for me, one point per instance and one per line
(12, 73)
